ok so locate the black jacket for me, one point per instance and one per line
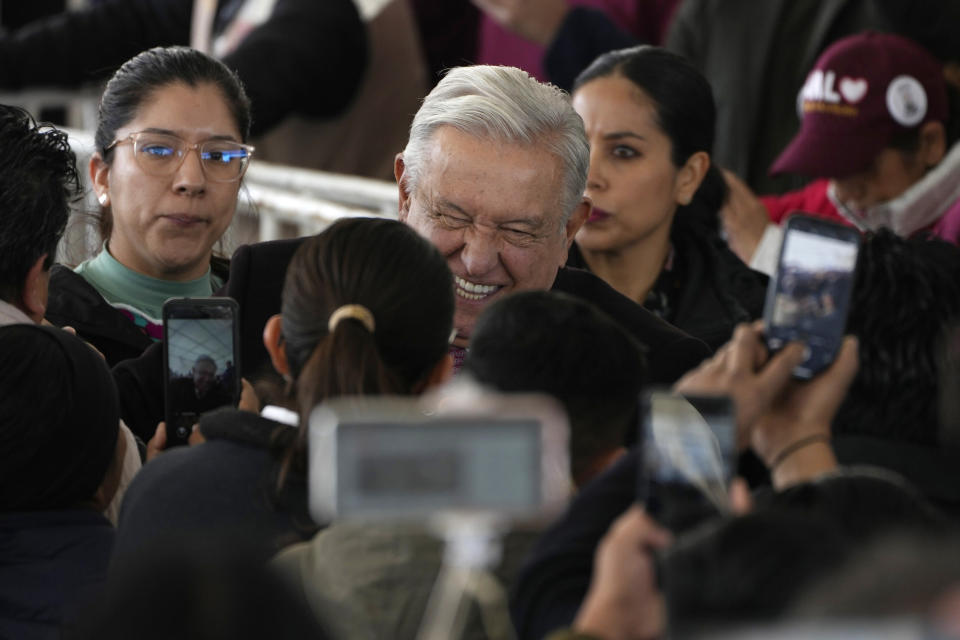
(224, 486)
(716, 290)
(52, 563)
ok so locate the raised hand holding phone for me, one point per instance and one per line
(773, 410)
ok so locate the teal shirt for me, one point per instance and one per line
(141, 296)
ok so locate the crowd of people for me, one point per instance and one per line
(590, 247)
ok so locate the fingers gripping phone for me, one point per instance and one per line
(809, 297)
(200, 354)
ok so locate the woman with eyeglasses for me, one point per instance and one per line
(170, 154)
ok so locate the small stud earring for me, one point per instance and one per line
(103, 199)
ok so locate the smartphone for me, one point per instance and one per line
(689, 456)
(809, 296)
(201, 361)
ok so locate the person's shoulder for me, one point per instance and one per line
(670, 351)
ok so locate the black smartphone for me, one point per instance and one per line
(809, 297)
(201, 361)
(689, 456)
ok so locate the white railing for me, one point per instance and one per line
(276, 201)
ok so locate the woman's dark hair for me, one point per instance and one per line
(139, 77)
(685, 112)
(399, 277)
(907, 291)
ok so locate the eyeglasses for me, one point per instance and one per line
(162, 154)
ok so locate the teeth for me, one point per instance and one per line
(472, 290)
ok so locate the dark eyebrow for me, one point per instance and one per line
(617, 135)
(175, 134)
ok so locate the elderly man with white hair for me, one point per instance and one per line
(494, 174)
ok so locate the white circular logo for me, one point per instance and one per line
(906, 101)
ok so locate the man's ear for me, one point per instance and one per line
(273, 341)
(933, 143)
(34, 298)
(100, 178)
(577, 218)
(690, 176)
(403, 203)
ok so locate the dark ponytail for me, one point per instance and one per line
(400, 278)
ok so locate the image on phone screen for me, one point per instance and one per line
(689, 450)
(201, 367)
(812, 291)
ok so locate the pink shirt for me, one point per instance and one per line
(648, 20)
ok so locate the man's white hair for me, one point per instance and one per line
(503, 104)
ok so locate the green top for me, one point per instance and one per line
(126, 289)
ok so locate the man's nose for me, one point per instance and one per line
(481, 251)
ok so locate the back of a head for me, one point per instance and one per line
(747, 569)
(207, 591)
(903, 574)
(38, 182)
(503, 105)
(685, 111)
(906, 294)
(59, 417)
(550, 342)
(397, 277)
(864, 502)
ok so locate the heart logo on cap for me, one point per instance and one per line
(853, 89)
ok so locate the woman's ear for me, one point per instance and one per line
(690, 176)
(273, 341)
(100, 178)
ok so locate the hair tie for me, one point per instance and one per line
(355, 311)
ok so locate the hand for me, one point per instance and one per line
(248, 397)
(157, 444)
(743, 370)
(624, 601)
(534, 20)
(773, 410)
(806, 408)
(744, 218)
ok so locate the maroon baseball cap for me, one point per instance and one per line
(862, 91)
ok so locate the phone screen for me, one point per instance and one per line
(201, 361)
(690, 452)
(809, 297)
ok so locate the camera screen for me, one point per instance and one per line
(439, 465)
(201, 364)
(813, 285)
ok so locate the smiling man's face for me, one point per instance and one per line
(493, 210)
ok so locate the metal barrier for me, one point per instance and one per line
(276, 201)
